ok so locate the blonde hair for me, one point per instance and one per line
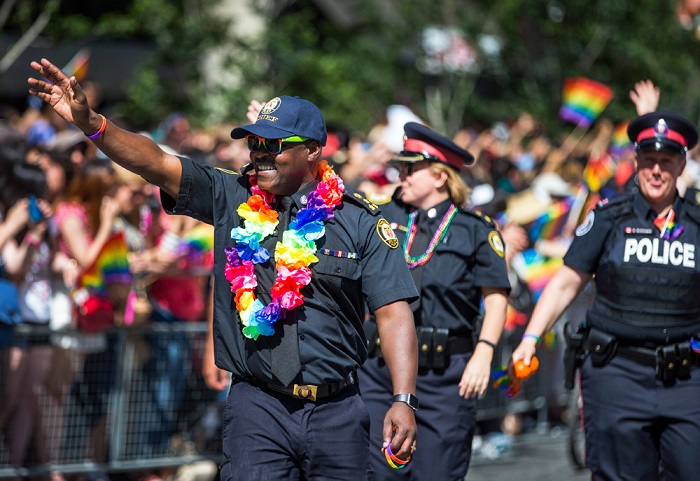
(457, 189)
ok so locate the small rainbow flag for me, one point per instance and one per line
(583, 100)
(78, 65)
(537, 270)
(110, 267)
(551, 224)
(598, 171)
(198, 241)
(620, 141)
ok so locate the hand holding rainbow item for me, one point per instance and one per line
(394, 461)
(508, 378)
(293, 255)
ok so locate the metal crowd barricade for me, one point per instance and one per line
(146, 389)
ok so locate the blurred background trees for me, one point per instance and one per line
(453, 62)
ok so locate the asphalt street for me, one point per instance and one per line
(541, 456)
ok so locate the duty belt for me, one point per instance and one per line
(672, 361)
(309, 392)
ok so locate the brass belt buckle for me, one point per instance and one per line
(305, 391)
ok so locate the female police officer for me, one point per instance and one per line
(456, 257)
(639, 381)
(294, 410)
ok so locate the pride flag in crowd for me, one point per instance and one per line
(583, 100)
(550, 224)
(78, 65)
(598, 171)
(110, 267)
(536, 270)
(620, 141)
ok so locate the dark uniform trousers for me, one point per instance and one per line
(629, 413)
(273, 436)
(446, 422)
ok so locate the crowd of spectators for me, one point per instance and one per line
(83, 199)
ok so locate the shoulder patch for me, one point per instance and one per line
(586, 225)
(356, 198)
(386, 234)
(496, 243)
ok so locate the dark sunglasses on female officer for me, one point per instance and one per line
(273, 146)
(408, 168)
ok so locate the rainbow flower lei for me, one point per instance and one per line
(293, 255)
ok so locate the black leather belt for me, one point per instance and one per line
(309, 392)
(459, 344)
(644, 355)
(640, 355)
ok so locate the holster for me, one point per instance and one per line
(575, 354)
(601, 346)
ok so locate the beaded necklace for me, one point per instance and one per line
(293, 255)
(437, 237)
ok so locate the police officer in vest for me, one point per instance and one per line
(641, 337)
(456, 258)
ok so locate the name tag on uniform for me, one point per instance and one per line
(638, 231)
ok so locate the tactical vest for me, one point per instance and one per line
(647, 298)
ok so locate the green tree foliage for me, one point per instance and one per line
(353, 73)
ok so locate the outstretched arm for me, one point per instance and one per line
(134, 152)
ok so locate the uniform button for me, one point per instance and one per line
(337, 270)
(303, 368)
(302, 337)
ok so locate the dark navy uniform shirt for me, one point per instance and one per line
(359, 262)
(647, 286)
(469, 257)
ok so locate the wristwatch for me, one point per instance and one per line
(409, 399)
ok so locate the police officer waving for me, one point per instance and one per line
(639, 376)
(456, 258)
(297, 259)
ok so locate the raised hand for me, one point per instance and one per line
(645, 96)
(64, 94)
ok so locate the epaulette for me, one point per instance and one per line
(358, 199)
(378, 199)
(226, 171)
(619, 206)
(475, 213)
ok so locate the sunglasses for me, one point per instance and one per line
(408, 168)
(273, 146)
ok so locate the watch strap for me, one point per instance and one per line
(409, 399)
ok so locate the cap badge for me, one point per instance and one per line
(661, 129)
(271, 106)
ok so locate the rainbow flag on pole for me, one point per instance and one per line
(551, 224)
(598, 171)
(110, 267)
(620, 141)
(583, 100)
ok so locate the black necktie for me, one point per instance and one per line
(420, 244)
(284, 361)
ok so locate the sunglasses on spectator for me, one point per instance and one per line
(273, 146)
